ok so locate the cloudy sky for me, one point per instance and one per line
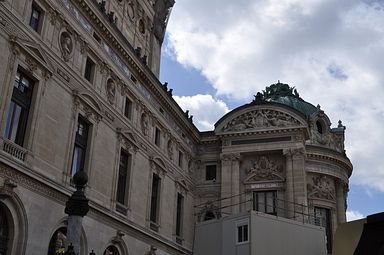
(219, 53)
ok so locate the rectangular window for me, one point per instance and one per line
(36, 18)
(179, 214)
(89, 70)
(210, 173)
(242, 233)
(155, 197)
(80, 149)
(180, 163)
(323, 219)
(128, 108)
(157, 136)
(123, 178)
(265, 201)
(18, 111)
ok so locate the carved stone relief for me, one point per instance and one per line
(111, 91)
(264, 169)
(170, 149)
(263, 118)
(144, 124)
(66, 45)
(131, 11)
(322, 187)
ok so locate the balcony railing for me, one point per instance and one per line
(14, 149)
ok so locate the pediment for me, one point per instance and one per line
(35, 51)
(260, 118)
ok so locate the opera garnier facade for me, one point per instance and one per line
(80, 91)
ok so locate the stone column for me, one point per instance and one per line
(76, 208)
(340, 201)
(289, 198)
(230, 183)
(300, 184)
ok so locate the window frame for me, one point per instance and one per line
(179, 215)
(240, 227)
(37, 27)
(122, 205)
(207, 166)
(154, 210)
(128, 108)
(180, 159)
(82, 143)
(89, 75)
(24, 102)
(255, 201)
(157, 137)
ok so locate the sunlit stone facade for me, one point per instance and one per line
(79, 90)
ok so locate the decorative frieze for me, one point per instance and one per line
(19, 179)
(261, 119)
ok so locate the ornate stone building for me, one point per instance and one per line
(79, 90)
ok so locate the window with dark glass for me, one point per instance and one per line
(180, 163)
(128, 108)
(210, 173)
(18, 111)
(4, 232)
(36, 18)
(265, 201)
(242, 233)
(157, 136)
(155, 195)
(80, 149)
(323, 219)
(123, 178)
(179, 214)
(89, 70)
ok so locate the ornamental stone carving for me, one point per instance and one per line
(230, 157)
(144, 124)
(111, 91)
(259, 119)
(322, 187)
(264, 169)
(66, 45)
(170, 149)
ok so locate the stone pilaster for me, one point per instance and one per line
(230, 183)
(340, 201)
(289, 199)
(296, 185)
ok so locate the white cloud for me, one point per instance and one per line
(354, 215)
(204, 107)
(330, 50)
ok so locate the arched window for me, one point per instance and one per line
(111, 250)
(4, 231)
(319, 126)
(57, 243)
(209, 215)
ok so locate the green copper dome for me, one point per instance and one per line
(283, 94)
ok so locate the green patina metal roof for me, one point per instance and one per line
(284, 94)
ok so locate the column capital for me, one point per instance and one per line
(230, 157)
(294, 152)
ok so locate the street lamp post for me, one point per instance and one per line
(76, 208)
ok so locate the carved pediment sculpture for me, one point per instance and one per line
(321, 188)
(259, 119)
(264, 169)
